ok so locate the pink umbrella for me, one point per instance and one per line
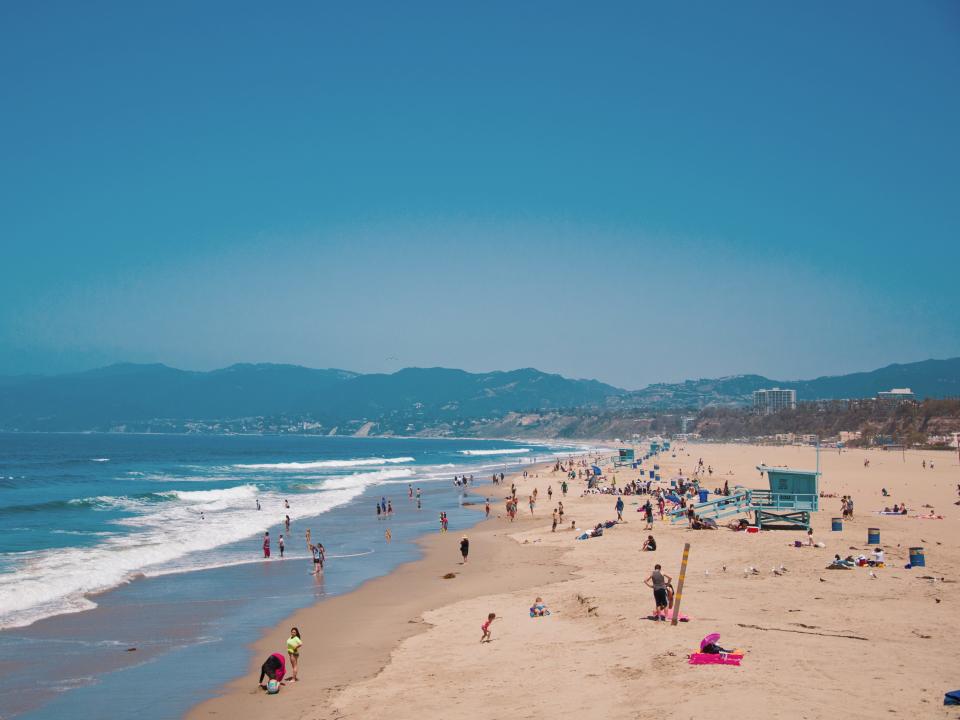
(709, 640)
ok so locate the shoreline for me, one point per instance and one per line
(359, 630)
(404, 646)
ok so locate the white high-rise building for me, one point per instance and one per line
(774, 400)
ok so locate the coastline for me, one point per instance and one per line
(352, 636)
(405, 645)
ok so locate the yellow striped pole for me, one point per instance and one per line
(679, 594)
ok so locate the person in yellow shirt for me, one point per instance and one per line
(293, 651)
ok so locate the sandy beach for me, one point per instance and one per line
(817, 642)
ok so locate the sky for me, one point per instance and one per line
(634, 192)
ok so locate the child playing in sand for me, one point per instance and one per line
(486, 628)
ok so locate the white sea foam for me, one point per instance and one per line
(320, 464)
(99, 459)
(363, 480)
(169, 536)
(514, 451)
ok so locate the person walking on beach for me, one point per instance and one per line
(266, 544)
(318, 557)
(619, 507)
(378, 511)
(486, 637)
(487, 508)
(531, 502)
(464, 548)
(560, 510)
(554, 529)
(388, 536)
(658, 581)
(563, 488)
(648, 515)
(550, 492)
(280, 545)
(293, 651)
(389, 507)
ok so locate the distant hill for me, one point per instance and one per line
(129, 393)
(410, 400)
(927, 379)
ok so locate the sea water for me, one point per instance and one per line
(153, 542)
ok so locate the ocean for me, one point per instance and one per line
(110, 542)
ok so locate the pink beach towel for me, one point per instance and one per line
(715, 659)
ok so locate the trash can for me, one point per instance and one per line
(873, 536)
(836, 524)
(703, 495)
(916, 557)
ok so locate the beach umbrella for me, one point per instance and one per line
(709, 640)
(597, 471)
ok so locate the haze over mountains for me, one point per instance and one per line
(127, 393)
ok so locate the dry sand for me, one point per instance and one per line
(819, 643)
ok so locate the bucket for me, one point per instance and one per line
(703, 495)
(836, 524)
(753, 529)
(873, 536)
(916, 557)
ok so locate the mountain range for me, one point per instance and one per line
(134, 394)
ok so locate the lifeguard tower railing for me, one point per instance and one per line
(784, 508)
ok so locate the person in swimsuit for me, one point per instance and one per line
(266, 544)
(658, 581)
(280, 545)
(317, 559)
(486, 628)
(293, 651)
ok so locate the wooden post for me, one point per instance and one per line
(679, 593)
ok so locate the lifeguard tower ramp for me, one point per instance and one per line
(787, 503)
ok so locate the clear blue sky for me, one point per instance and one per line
(629, 191)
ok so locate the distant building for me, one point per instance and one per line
(896, 395)
(686, 423)
(774, 400)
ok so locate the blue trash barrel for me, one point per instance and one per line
(657, 478)
(873, 536)
(916, 557)
(703, 495)
(837, 524)
(651, 474)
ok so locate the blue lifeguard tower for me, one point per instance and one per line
(787, 503)
(623, 457)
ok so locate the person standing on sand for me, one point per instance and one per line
(293, 651)
(464, 548)
(560, 510)
(619, 507)
(531, 502)
(549, 492)
(487, 508)
(648, 515)
(658, 581)
(554, 521)
(266, 544)
(563, 488)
